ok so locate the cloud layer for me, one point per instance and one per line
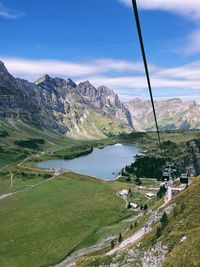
(189, 8)
(123, 76)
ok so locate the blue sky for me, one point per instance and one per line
(97, 41)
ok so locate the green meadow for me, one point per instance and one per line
(41, 226)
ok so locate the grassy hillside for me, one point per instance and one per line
(184, 223)
(42, 225)
(178, 242)
(95, 126)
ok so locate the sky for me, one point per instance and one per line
(97, 41)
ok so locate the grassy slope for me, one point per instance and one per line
(39, 227)
(183, 223)
(186, 223)
(46, 223)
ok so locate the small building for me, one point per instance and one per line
(184, 178)
(150, 195)
(134, 205)
(165, 176)
(123, 193)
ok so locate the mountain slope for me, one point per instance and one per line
(61, 105)
(171, 114)
(177, 245)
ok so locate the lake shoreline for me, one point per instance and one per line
(101, 163)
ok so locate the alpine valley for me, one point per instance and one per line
(61, 216)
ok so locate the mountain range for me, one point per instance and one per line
(84, 111)
(171, 114)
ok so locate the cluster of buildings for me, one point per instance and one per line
(170, 173)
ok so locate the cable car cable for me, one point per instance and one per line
(135, 9)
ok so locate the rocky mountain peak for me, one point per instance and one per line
(71, 83)
(105, 90)
(43, 79)
(85, 83)
(3, 70)
(87, 89)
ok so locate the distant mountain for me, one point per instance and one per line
(76, 110)
(171, 114)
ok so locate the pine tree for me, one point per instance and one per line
(112, 243)
(145, 207)
(129, 206)
(158, 232)
(164, 220)
(120, 238)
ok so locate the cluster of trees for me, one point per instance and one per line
(161, 191)
(138, 181)
(31, 143)
(83, 150)
(168, 145)
(146, 166)
(25, 175)
(133, 136)
(143, 207)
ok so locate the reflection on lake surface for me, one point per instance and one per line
(102, 163)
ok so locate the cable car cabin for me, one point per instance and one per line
(184, 178)
(165, 176)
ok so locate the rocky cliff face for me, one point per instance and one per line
(104, 101)
(171, 114)
(83, 110)
(61, 105)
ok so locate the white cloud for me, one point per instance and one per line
(189, 8)
(35, 68)
(139, 82)
(123, 76)
(192, 43)
(8, 13)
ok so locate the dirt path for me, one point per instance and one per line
(12, 163)
(129, 240)
(11, 177)
(124, 198)
(8, 195)
(154, 217)
(30, 168)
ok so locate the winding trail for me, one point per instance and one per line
(8, 194)
(25, 167)
(129, 240)
(154, 217)
(124, 198)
